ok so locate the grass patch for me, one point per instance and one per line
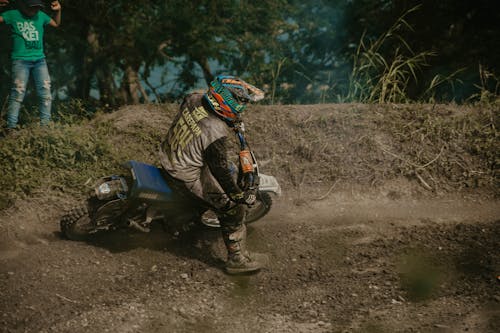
(67, 157)
(443, 149)
(61, 156)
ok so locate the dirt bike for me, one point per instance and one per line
(142, 196)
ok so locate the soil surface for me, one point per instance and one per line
(379, 229)
(347, 263)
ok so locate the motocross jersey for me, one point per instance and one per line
(194, 150)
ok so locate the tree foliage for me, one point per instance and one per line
(120, 52)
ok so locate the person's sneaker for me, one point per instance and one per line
(240, 264)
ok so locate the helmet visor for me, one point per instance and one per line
(242, 90)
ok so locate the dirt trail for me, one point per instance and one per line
(349, 263)
(387, 250)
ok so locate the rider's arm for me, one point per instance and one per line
(215, 156)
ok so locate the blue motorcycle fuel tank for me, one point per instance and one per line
(149, 184)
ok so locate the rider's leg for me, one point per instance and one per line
(234, 235)
(232, 218)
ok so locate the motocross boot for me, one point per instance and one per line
(240, 261)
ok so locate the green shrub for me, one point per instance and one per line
(34, 157)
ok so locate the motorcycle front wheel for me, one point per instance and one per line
(257, 211)
(261, 207)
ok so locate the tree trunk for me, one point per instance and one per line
(96, 65)
(88, 66)
(106, 86)
(79, 86)
(205, 67)
(129, 89)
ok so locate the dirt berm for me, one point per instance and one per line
(389, 222)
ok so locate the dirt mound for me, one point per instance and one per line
(421, 149)
(439, 149)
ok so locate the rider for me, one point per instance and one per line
(194, 154)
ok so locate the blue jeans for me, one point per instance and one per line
(21, 70)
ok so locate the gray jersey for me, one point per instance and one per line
(192, 131)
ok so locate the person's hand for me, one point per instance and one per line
(247, 198)
(250, 197)
(54, 5)
(4, 3)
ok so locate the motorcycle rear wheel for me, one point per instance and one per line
(76, 224)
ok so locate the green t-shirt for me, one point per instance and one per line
(27, 34)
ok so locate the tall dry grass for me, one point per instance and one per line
(376, 78)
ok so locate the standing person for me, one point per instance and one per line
(27, 25)
(194, 155)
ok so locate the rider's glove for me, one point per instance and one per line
(247, 197)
